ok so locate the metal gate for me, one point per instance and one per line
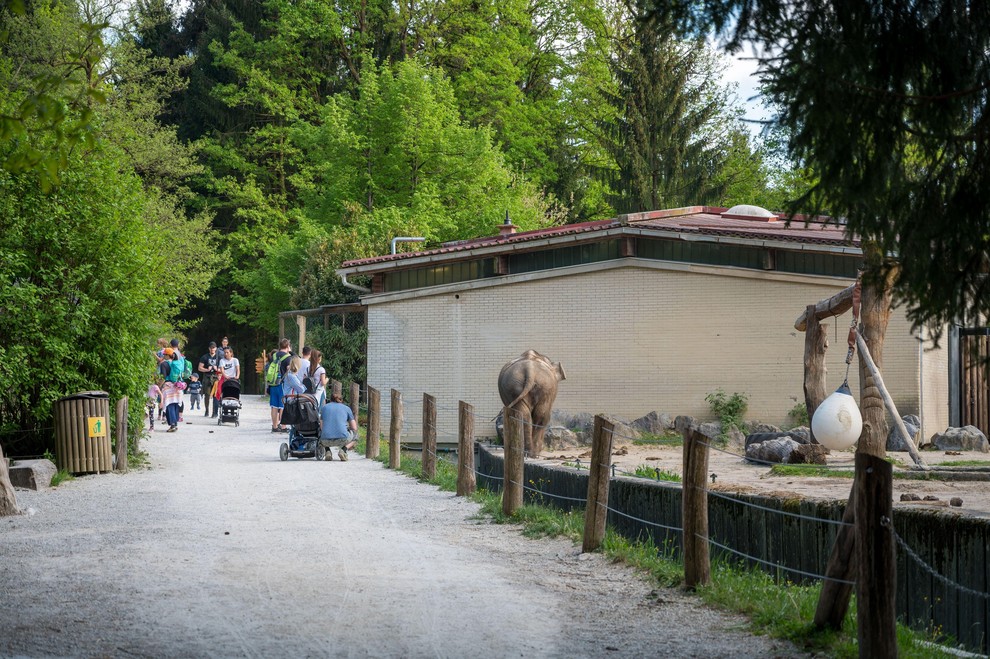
(974, 354)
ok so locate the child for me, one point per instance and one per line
(195, 389)
(154, 398)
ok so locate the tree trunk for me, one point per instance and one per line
(875, 315)
(815, 347)
(8, 502)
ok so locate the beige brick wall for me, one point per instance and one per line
(633, 339)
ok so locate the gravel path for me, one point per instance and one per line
(219, 549)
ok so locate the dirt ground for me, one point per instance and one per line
(734, 474)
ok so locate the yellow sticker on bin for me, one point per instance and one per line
(97, 426)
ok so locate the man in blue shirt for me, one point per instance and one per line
(338, 425)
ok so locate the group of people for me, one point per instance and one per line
(175, 376)
(305, 374)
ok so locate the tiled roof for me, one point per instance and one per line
(696, 219)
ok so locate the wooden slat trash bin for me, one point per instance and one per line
(82, 433)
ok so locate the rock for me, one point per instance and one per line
(910, 496)
(623, 432)
(756, 438)
(32, 474)
(773, 450)
(930, 497)
(559, 438)
(711, 429)
(737, 440)
(956, 501)
(894, 440)
(967, 438)
(809, 454)
(654, 423)
(759, 426)
(801, 434)
(577, 423)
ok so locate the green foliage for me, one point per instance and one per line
(799, 415)
(95, 262)
(810, 471)
(343, 351)
(657, 474)
(887, 104)
(729, 410)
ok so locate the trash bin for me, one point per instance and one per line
(82, 433)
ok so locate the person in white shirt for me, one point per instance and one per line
(229, 364)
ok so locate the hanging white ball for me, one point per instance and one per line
(837, 423)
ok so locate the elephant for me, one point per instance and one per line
(528, 385)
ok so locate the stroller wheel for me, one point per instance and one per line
(321, 452)
(237, 423)
(283, 452)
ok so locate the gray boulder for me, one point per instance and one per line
(759, 426)
(895, 442)
(967, 438)
(559, 438)
(777, 450)
(32, 474)
(758, 437)
(654, 423)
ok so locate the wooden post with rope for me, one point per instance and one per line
(694, 502)
(395, 431)
(466, 481)
(371, 444)
(596, 509)
(514, 470)
(876, 580)
(429, 460)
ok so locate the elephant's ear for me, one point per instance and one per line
(560, 371)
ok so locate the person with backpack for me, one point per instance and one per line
(274, 375)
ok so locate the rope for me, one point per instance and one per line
(928, 568)
(776, 565)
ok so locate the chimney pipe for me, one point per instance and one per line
(507, 228)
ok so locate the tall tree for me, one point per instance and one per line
(672, 118)
(887, 102)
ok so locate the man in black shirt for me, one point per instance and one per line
(209, 366)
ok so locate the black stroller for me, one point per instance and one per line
(301, 411)
(230, 402)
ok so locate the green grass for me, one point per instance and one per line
(61, 476)
(671, 438)
(964, 463)
(810, 471)
(774, 606)
(656, 474)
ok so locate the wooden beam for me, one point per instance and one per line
(815, 347)
(867, 361)
(836, 305)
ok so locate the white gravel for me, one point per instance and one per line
(221, 550)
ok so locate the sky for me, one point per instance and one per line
(742, 71)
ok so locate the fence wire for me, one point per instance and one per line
(722, 495)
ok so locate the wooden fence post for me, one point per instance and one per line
(876, 582)
(815, 347)
(429, 437)
(694, 495)
(833, 602)
(395, 431)
(596, 512)
(355, 398)
(336, 387)
(512, 483)
(371, 448)
(121, 435)
(466, 482)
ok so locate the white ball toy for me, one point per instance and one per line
(837, 423)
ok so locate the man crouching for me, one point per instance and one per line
(338, 425)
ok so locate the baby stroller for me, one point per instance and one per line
(230, 402)
(301, 411)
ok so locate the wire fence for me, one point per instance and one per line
(746, 528)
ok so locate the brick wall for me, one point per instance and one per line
(633, 338)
